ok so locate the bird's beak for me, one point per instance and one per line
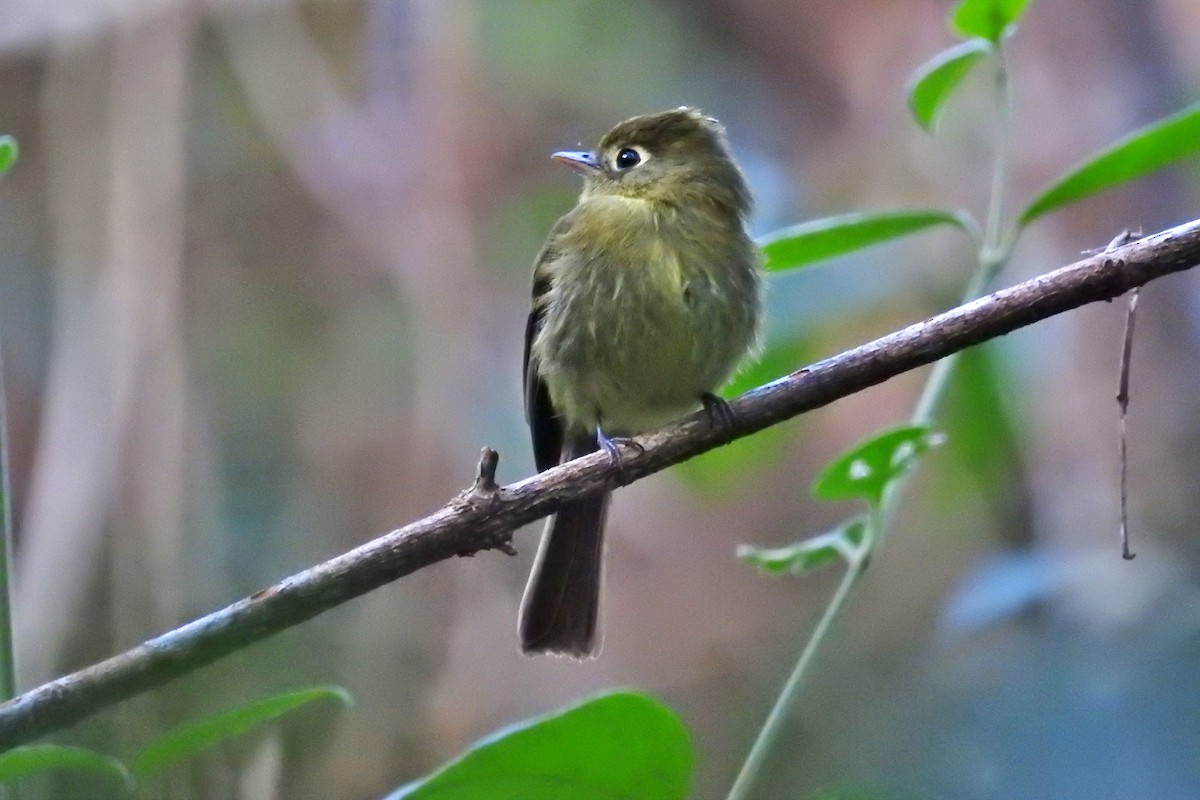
(578, 160)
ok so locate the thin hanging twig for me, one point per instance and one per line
(1123, 398)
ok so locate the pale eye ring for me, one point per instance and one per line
(627, 158)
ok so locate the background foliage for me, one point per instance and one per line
(264, 276)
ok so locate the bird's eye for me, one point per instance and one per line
(627, 157)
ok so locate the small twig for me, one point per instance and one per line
(465, 525)
(1123, 397)
(485, 478)
(485, 494)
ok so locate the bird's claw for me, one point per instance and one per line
(612, 446)
(720, 414)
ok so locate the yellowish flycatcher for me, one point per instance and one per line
(646, 296)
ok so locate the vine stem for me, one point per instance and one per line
(8, 657)
(994, 251)
(769, 732)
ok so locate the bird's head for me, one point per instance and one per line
(671, 158)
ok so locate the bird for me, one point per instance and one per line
(647, 295)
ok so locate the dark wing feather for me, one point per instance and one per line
(545, 427)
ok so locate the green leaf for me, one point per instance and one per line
(936, 79)
(1142, 152)
(187, 740)
(810, 554)
(986, 18)
(8, 153)
(820, 239)
(23, 761)
(619, 746)
(865, 470)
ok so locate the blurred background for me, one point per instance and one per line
(263, 280)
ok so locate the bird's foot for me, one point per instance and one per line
(720, 414)
(612, 446)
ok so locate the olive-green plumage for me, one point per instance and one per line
(646, 298)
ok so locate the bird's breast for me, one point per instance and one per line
(640, 321)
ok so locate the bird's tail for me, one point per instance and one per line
(561, 609)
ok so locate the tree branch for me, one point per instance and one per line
(484, 516)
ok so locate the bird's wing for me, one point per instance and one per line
(545, 426)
